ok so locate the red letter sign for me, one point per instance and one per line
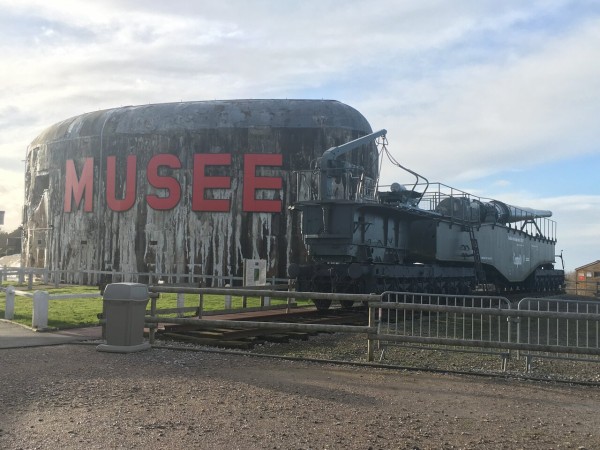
(129, 200)
(76, 187)
(202, 182)
(252, 183)
(163, 182)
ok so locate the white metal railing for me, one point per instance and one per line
(97, 277)
(470, 323)
(464, 325)
(569, 327)
(40, 299)
(572, 328)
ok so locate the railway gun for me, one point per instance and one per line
(422, 237)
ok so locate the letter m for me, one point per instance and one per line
(76, 187)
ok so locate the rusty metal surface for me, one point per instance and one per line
(177, 240)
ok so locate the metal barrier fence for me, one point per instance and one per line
(565, 329)
(575, 327)
(447, 324)
(152, 320)
(479, 324)
(587, 288)
(539, 327)
(471, 322)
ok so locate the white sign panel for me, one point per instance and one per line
(255, 272)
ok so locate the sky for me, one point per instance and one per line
(501, 99)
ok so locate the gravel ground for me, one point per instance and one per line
(72, 397)
(353, 348)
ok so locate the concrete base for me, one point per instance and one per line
(123, 348)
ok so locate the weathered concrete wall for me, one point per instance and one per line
(72, 218)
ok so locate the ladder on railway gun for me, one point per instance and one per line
(479, 272)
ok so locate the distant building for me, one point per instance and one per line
(588, 279)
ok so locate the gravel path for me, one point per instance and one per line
(353, 348)
(72, 397)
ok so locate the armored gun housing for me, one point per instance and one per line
(424, 237)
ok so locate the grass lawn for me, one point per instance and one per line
(83, 312)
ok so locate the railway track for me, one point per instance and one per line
(248, 338)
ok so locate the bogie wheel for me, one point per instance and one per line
(322, 305)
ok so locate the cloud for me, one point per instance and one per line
(501, 183)
(488, 117)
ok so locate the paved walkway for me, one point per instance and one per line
(14, 336)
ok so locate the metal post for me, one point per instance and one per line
(200, 306)
(289, 299)
(9, 310)
(180, 303)
(152, 327)
(103, 321)
(30, 280)
(227, 299)
(370, 342)
(266, 301)
(518, 336)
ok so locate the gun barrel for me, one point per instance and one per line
(509, 213)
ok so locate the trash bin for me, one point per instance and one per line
(124, 312)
